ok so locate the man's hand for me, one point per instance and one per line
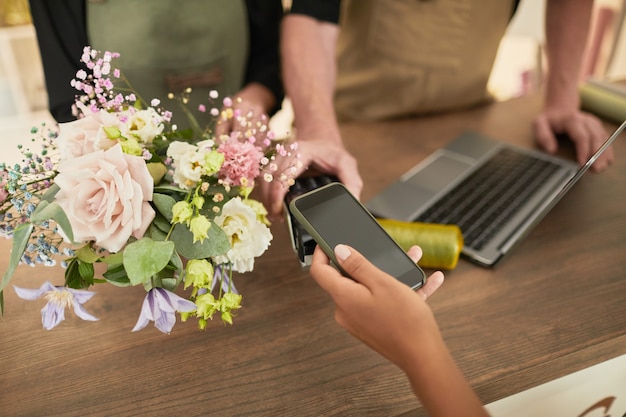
(323, 156)
(584, 129)
(253, 103)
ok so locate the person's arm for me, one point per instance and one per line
(309, 69)
(61, 34)
(308, 49)
(262, 91)
(396, 322)
(567, 26)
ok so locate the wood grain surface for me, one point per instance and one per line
(556, 305)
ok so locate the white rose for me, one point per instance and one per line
(145, 125)
(106, 195)
(248, 237)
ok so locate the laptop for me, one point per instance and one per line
(495, 192)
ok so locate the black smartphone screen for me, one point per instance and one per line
(337, 217)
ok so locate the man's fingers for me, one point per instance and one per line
(544, 136)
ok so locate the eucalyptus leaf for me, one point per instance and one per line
(113, 258)
(155, 233)
(21, 236)
(177, 262)
(46, 211)
(50, 193)
(162, 223)
(169, 283)
(164, 204)
(146, 257)
(215, 244)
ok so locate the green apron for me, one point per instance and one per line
(171, 45)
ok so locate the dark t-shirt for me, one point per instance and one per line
(327, 10)
(324, 10)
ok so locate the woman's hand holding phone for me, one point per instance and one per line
(376, 308)
(396, 322)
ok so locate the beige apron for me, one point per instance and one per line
(400, 58)
(169, 45)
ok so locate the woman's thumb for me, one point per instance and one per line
(355, 264)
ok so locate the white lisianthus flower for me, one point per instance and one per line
(145, 125)
(188, 163)
(248, 237)
(206, 144)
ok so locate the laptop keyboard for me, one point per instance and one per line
(481, 204)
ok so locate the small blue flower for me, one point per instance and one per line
(58, 298)
(160, 306)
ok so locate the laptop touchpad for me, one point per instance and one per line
(444, 169)
(402, 200)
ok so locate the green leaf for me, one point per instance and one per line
(21, 235)
(116, 275)
(50, 193)
(46, 211)
(169, 283)
(112, 132)
(146, 257)
(170, 188)
(164, 204)
(215, 244)
(87, 254)
(86, 272)
(161, 223)
(157, 171)
(170, 276)
(155, 233)
(113, 258)
(73, 278)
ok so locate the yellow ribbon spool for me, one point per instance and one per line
(441, 243)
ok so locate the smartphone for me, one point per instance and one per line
(301, 241)
(332, 215)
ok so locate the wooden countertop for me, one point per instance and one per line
(556, 305)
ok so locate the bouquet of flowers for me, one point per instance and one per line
(123, 188)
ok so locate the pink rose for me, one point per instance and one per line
(105, 195)
(85, 135)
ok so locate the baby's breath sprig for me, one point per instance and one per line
(23, 187)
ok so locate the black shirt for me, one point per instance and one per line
(328, 10)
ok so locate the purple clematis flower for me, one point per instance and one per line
(58, 298)
(221, 275)
(160, 306)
